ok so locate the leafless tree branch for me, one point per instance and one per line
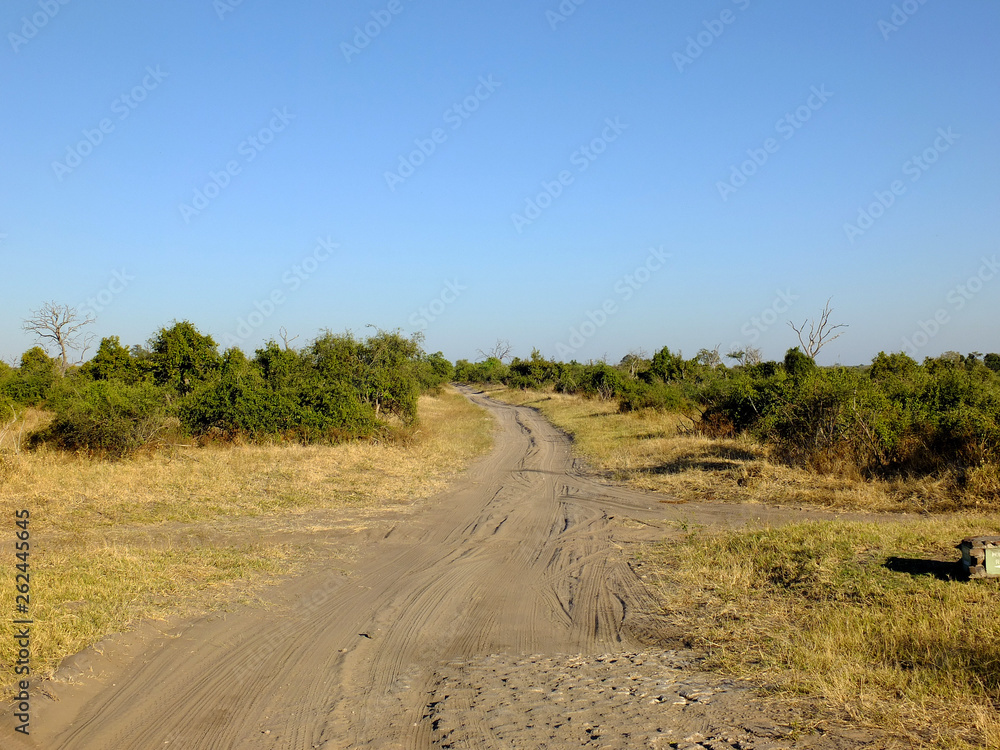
(501, 350)
(819, 334)
(709, 357)
(633, 361)
(746, 357)
(60, 325)
(283, 332)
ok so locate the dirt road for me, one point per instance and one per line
(502, 614)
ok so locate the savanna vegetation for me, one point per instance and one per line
(180, 386)
(867, 614)
(894, 420)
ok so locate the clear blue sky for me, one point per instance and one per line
(314, 121)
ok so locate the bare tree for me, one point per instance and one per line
(283, 332)
(746, 357)
(819, 332)
(62, 326)
(709, 357)
(634, 361)
(501, 350)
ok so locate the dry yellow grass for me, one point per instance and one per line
(844, 612)
(182, 530)
(16, 426)
(658, 451)
(192, 484)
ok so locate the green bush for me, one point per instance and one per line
(181, 357)
(898, 418)
(240, 402)
(107, 418)
(835, 418)
(535, 372)
(660, 396)
(603, 381)
(667, 366)
(334, 411)
(114, 362)
(433, 371)
(32, 382)
(797, 364)
(569, 378)
(491, 370)
(740, 403)
(388, 381)
(8, 376)
(336, 389)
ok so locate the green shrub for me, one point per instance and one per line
(284, 394)
(388, 380)
(107, 418)
(32, 382)
(833, 419)
(8, 376)
(280, 368)
(569, 378)
(334, 411)
(491, 370)
(897, 418)
(659, 396)
(181, 357)
(113, 362)
(433, 371)
(535, 372)
(797, 364)
(240, 402)
(743, 401)
(603, 381)
(667, 366)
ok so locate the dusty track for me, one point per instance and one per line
(522, 558)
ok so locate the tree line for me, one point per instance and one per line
(890, 418)
(337, 387)
(894, 417)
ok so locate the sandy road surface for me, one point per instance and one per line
(502, 614)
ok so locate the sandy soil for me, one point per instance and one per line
(501, 614)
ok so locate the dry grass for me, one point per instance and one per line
(657, 451)
(16, 426)
(189, 484)
(183, 530)
(860, 615)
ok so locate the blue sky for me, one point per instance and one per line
(617, 177)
